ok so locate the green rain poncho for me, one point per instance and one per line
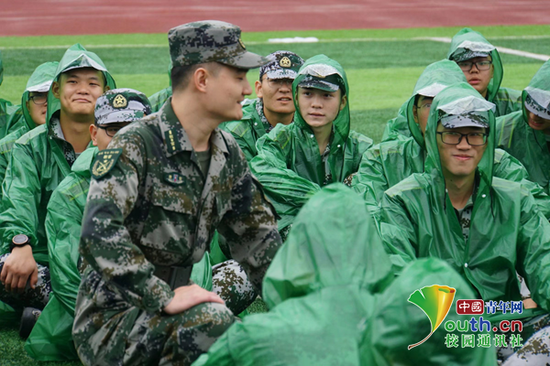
(507, 232)
(37, 166)
(330, 301)
(248, 130)
(320, 288)
(526, 144)
(43, 75)
(289, 164)
(386, 164)
(506, 100)
(160, 97)
(4, 104)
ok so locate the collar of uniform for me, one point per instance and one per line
(174, 136)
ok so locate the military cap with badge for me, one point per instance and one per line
(281, 65)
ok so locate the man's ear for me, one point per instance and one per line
(93, 133)
(107, 87)
(258, 89)
(55, 89)
(343, 102)
(200, 79)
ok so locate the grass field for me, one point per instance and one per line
(382, 68)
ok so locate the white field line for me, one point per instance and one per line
(509, 51)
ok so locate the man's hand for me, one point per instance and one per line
(18, 267)
(188, 296)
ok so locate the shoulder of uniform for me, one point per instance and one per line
(37, 132)
(359, 137)
(411, 183)
(104, 162)
(7, 142)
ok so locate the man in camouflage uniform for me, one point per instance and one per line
(274, 104)
(156, 197)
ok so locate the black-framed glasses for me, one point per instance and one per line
(39, 99)
(111, 130)
(454, 138)
(480, 65)
(278, 83)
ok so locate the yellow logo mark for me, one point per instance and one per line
(241, 43)
(102, 167)
(120, 101)
(285, 62)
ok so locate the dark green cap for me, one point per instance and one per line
(121, 105)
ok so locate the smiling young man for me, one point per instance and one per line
(157, 195)
(274, 104)
(40, 159)
(294, 161)
(485, 227)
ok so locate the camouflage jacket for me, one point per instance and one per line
(149, 205)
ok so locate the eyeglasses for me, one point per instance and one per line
(39, 99)
(454, 138)
(111, 130)
(480, 65)
(278, 83)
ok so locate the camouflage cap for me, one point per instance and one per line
(329, 83)
(468, 119)
(121, 105)
(210, 41)
(282, 65)
(535, 107)
(469, 49)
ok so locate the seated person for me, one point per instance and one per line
(34, 105)
(324, 290)
(386, 164)
(274, 104)
(294, 161)
(485, 227)
(525, 134)
(480, 62)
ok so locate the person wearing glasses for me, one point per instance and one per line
(525, 134)
(295, 161)
(485, 227)
(386, 164)
(32, 112)
(39, 161)
(274, 104)
(114, 110)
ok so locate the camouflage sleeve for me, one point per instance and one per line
(106, 243)
(250, 227)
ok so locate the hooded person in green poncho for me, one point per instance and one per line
(485, 227)
(480, 62)
(296, 160)
(33, 111)
(525, 134)
(4, 104)
(40, 160)
(386, 164)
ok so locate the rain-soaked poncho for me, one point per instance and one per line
(507, 231)
(330, 301)
(4, 105)
(248, 130)
(159, 98)
(386, 164)
(526, 144)
(289, 164)
(506, 100)
(37, 166)
(42, 75)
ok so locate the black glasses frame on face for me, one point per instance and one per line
(480, 65)
(454, 138)
(111, 130)
(39, 99)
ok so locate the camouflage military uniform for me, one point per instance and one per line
(149, 205)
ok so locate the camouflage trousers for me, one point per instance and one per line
(536, 347)
(36, 298)
(113, 332)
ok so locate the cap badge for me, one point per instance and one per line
(241, 43)
(285, 62)
(119, 101)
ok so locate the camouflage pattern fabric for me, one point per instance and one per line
(149, 204)
(210, 41)
(536, 345)
(229, 281)
(36, 298)
(121, 105)
(282, 65)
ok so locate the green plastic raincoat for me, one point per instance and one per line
(43, 74)
(507, 231)
(506, 100)
(526, 144)
(160, 97)
(320, 288)
(37, 166)
(388, 163)
(248, 130)
(4, 104)
(288, 163)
